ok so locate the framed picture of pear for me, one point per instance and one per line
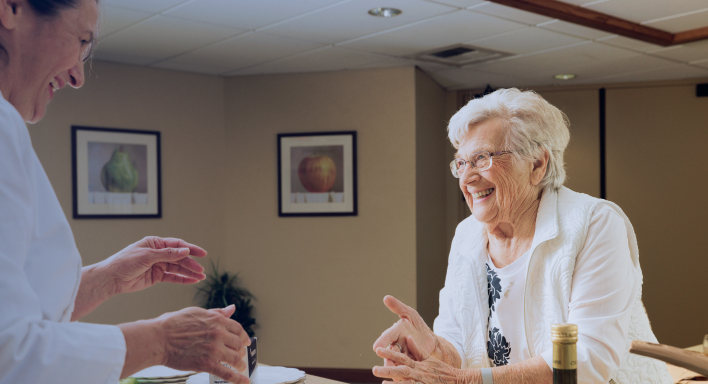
(317, 174)
(116, 173)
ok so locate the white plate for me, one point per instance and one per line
(276, 375)
(162, 372)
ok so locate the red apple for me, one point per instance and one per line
(317, 173)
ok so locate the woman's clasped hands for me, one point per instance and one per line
(421, 368)
(413, 353)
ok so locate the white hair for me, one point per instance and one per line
(534, 127)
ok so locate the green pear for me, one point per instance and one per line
(119, 174)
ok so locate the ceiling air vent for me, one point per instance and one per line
(459, 55)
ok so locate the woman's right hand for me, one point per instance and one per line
(197, 339)
(193, 339)
(409, 324)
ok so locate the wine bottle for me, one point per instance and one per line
(565, 355)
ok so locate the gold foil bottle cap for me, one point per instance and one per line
(564, 333)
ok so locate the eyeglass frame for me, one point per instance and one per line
(491, 156)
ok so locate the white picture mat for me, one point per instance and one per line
(83, 137)
(288, 142)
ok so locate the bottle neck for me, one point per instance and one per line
(565, 356)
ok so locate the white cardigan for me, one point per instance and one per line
(561, 229)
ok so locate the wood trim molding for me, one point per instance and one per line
(347, 375)
(604, 22)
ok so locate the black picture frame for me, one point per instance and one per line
(341, 199)
(85, 203)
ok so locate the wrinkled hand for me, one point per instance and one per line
(154, 260)
(409, 324)
(421, 368)
(198, 340)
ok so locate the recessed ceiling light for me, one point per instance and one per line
(385, 12)
(565, 76)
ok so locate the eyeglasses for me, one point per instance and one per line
(480, 160)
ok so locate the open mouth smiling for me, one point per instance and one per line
(483, 194)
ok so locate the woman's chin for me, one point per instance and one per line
(35, 115)
(483, 215)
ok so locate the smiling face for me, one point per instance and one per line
(499, 193)
(45, 54)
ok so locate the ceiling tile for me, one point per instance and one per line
(114, 19)
(153, 6)
(640, 11)
(702, 64)
(677, 72)
(246, 14)
(574, 29)
(578, 2)
(526, 40)
(682, 23)
(512, 14)
(441, 31)
(465, 78)
(351, 20)
(159, 38)
(326, 59)
(684, 52)
(461, 3)
(628, 65)
(626, 42)
(239, 52)
(558, 61)
(388, 62)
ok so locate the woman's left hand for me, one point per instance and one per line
(154, 260)
(140, 265)
(425, 369)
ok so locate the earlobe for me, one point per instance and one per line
(10, 10)
(539, 169)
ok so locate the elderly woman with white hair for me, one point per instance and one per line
(533, 253)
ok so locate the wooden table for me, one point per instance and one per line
(309, 379)
(203, 378)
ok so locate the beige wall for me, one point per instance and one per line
(582, 157)
(320, 281)
(656, 171)
(188, 110)
(430, 165)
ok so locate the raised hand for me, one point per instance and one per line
(409, 324)
(154, 260)
(140, 265)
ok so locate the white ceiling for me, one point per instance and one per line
(245, 37)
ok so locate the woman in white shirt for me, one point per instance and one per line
(43, 288)
(533, 253)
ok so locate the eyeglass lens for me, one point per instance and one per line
(481, 161)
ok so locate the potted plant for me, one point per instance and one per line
(220, 290)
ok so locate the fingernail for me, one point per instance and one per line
(184, 250)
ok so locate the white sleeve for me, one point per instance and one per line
(605, 285)
(446, 325)
(33, 348)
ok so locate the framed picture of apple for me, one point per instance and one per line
(317, 174)
(116, 173)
